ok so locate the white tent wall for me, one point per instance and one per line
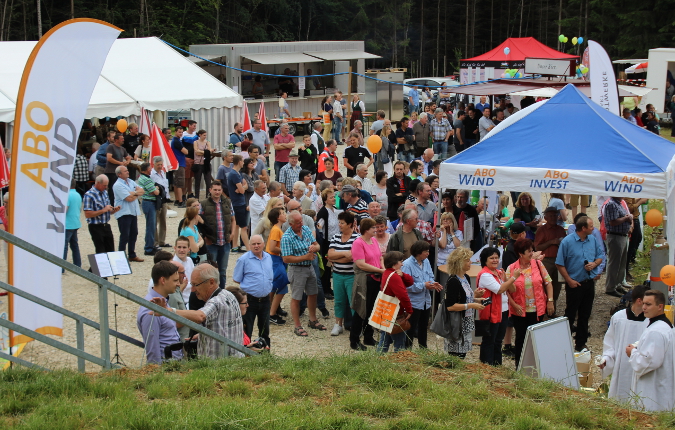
(219, 123)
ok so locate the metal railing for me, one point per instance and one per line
(104, 286)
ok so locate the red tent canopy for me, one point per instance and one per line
(520, 48)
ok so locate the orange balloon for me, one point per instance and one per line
(374, 143)
(654, 217)
(122, 125)
(668, 275)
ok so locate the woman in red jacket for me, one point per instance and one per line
(395, 283)
(534, 292)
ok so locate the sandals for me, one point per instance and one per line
(316, 325)
(299, 331)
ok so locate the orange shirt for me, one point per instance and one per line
(275, 234)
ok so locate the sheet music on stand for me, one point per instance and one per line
(110, 264)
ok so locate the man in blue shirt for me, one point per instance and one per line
(179, 151)
(126, 197)
(483, 104)
(101, 157)
(414, 99)
(254, 274)
(579, 256)
(158, 331)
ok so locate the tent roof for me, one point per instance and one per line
(509, 86)
(520, 48)
(571, 132)
(163, 80)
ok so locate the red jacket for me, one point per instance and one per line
(322, 157)
(493, 311)
(397, 288)
(540, 296)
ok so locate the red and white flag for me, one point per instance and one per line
(144, 123)
(262, 117)
(4, 169)
(245, 117)
(159, 147)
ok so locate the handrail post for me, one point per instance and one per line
(79, 330)
(105, 330)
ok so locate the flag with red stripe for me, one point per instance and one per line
(160, 147)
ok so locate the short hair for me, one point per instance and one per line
(180, 128)
(391, 258)
(380, 220)
(360, 167)
(73, 184)
(420, 186)
(379, 175)
(659, 297)
(324, 185)
(418, 248)
(486, 253)
(206, 272)
(437, 163)
(438, 110)
(366, 224)
(399, 162)
(284, 125)
(330, 142)
(162, 255)
(181, 239)
(325, 193)
(118, 169)
(156, 159)
(347, 217)
(415, 164)
(273, 186)
(132, 125)
(236, 158)
(521, 245)
(449, 215)
(300, 185)
(581, 223)
(579, 215)
(257, 183)
(464, 192)
(163, 269)
(430, 179)
(309, 212)
(400, 210)
(303, 173)
(381, 114)
(317, 125)
(237, 292)
(145, 166)
(307, 136)
(191, 121)
(328, 160)
(407, 214)
(253, 147)
(412, 186)
(638, 292)
(457, 258)
(216, 183)
(165, 129)
(274, 214)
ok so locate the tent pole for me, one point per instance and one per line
(435, 263)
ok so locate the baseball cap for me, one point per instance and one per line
(293, 153)
(517, 228)
(551, 209)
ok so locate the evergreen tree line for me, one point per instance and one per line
(427, 37)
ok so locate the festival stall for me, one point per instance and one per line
(571, 145)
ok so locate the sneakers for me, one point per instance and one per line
(325, 313)
(276, 319)
(369, 342)
(357, 346)
(337, 329)
(281, 312)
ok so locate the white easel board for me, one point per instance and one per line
(548, 352)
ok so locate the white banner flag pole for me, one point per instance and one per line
(55, 90)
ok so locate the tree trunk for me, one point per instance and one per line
(421, 33)
(492, 7)
(39, 19)
(72, 9)
(560, 24)
(466, 31)
(522, 6)
(438, 36)
(142, 18)
(2, 20)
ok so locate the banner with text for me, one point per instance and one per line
(499, 178)
(604, 90)
(55, 90)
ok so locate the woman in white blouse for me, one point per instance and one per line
(449, 239)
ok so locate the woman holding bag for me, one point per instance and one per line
(495, 286)
(533, 295)
(459, 298)
(395, 283)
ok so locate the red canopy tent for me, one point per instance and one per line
(519, 49)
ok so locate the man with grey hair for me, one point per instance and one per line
(221, 313)
(406, 233)
(441, 130)
(284, 142)
(258, 202)
(260, 138)
(158, 175)
(97, 211)
(379, 123)
(276, 190)
(421, 131)
(149, 206)
(361, 176)
(298, 250)
(126, 197)
(298, 193)
(462, 211)
(317, 138)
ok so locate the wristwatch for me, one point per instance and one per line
(550, 300)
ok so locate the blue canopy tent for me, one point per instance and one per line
(570, 145)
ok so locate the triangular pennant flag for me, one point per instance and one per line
(144, 124)
(245, 118)
(4, 169)
(160, 147)
(262, 117)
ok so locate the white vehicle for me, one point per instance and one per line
(432, 83)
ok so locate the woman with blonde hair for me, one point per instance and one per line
(459, 297)
(264, 226)
(449, 239)
(527, 212)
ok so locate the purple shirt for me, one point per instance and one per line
(157, 332)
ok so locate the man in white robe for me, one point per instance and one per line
(625, 328)
(653, 359)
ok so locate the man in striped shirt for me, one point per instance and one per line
(355, 203)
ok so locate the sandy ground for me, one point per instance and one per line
(82, 297)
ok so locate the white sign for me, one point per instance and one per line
(55, 90)
(603, 81)
(301, 83)
(544, 66)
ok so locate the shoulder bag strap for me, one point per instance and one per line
(386, 284)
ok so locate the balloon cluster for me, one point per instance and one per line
(575, 40)
(581, 71)
(512, 73)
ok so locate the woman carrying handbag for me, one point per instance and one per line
(395, 283)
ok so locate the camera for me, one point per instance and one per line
(259, 343)
(487, 301)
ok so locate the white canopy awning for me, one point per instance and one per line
(158, 78)
(281, 58)
(342, 55)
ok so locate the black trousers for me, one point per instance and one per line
(580, 301)
(520, 324)
(419, 322)
(128, 226)
(634, 242)
(491, 346)
(326, 278)
(112, 178)
(360, 325)
(102, 236)
(257, 308)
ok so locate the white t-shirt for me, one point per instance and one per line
(189, 266)
(489, 282)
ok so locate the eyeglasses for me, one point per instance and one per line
(196, 285)
(243, 304)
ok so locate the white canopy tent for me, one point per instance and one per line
(158, 79)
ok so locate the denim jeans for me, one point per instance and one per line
(441, 149)
(128, 226)
(220, 255)
(468, 143)
(150, 212)
(71, 239)
(407, 156)
(387, 339)
(277, 167)
(337, 128)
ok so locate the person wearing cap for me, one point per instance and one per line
(547, 240)
(290, 173)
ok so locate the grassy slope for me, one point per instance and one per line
(364, 391)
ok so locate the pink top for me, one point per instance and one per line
(282, 155)
(370, 253)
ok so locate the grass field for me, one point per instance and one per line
(364, 391)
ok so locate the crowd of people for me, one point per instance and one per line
(303, 228)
